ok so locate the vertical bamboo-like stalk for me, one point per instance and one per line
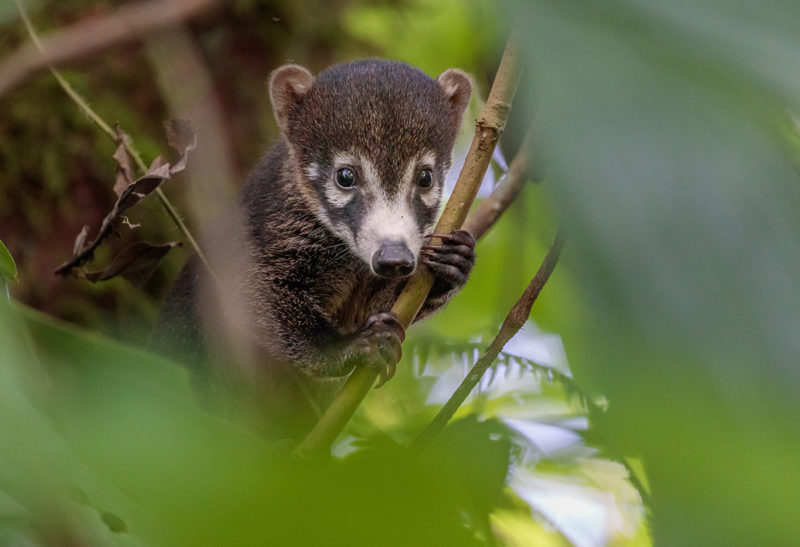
(488, 128)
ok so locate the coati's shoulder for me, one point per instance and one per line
(266, 189)
(265, 178)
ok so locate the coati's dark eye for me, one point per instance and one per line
(425, 178)
(345, 177)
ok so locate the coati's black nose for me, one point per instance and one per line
(393, 259)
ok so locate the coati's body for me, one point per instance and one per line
(334, 218)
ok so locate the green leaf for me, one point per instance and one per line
(8, 269)
(111, 440)
(664, 129)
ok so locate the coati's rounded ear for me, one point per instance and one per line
(457, 86)
(287, 85)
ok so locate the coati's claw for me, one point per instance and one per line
(452, 261)
(380, 342)
(386, 374)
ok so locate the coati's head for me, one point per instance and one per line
(371, 142)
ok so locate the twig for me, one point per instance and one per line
(83, 105)
(516, 318)
(94, 34)
(488, 128)
(483, 217)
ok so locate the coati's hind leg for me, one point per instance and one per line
(450, 263)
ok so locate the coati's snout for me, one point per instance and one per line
(393, 259)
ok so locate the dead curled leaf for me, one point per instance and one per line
(136, 262)
(183, 138)
(125, 171)
(80, 240)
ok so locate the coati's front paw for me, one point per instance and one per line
(452, 261)
(379, 344)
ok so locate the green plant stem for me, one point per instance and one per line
(514, 320)
(488, 128)
(108, 130)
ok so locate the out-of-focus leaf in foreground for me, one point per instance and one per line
(103, 444)
(8, 269)
(665, 133)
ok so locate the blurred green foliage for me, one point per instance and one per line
(462, 33)
(666, 131)
(109, 448)
(665, 141)
(8, 268)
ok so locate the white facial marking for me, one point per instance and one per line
(336, 195)
(430, 197)
(428, 159)
(370, 175)
(312, 171)
(345, 158)
(387, 218)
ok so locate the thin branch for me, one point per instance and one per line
(516, 318)
(483, 217)
(114, 136)
(94, 34)
(488, 128)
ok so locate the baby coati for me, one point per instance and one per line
(335, 218)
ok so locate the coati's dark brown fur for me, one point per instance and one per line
(324, 260)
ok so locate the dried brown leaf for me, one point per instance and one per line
(182, 136)
(136, 262)
(141, 188)
(157, 162)
(125, 171)
(80, 240)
